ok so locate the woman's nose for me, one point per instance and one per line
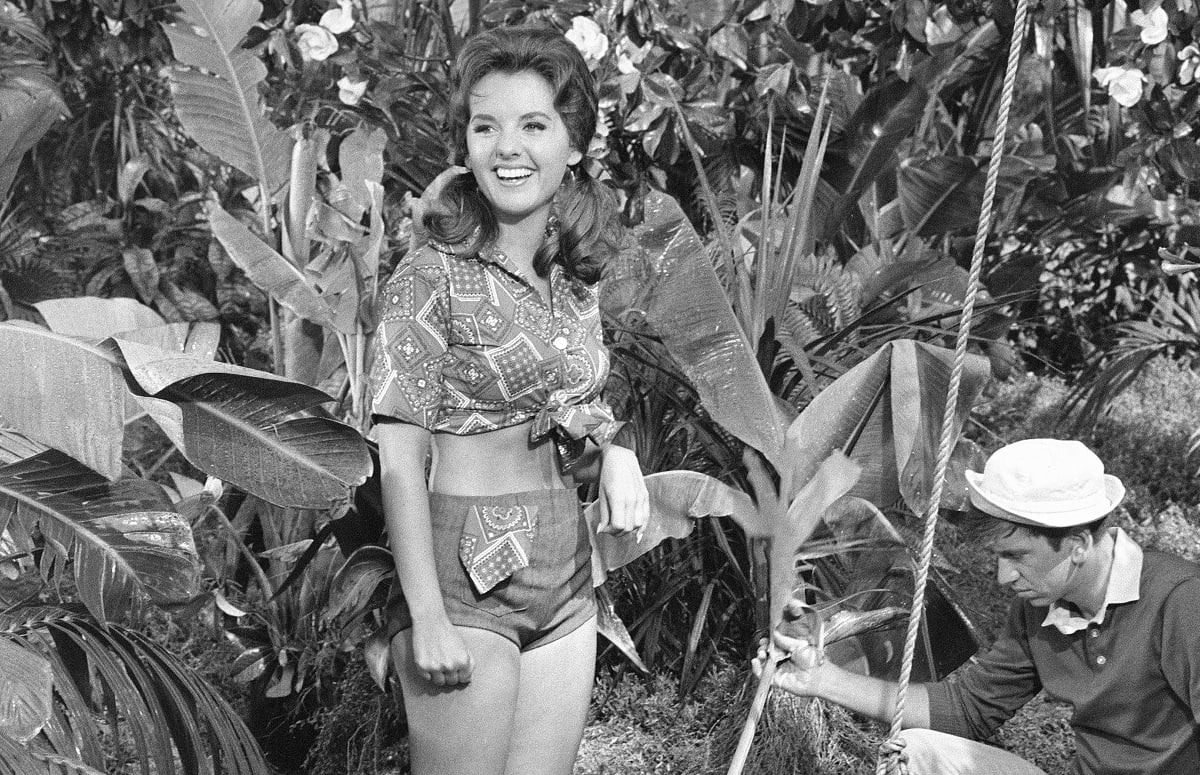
(507, 144)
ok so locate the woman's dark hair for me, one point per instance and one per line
(587, 211)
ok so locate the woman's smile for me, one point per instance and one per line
(517, 144)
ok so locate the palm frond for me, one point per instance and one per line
(118, 694)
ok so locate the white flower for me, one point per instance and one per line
(1190, 57)
(351, 91)
(588, 38)
(340, 19)
(1124, 84)
(629, 56)
(1153, 24)
(940, 28)
(316, 43)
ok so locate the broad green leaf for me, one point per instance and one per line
(197, 340)
(945, 193)
(126, 542)
(609, 624)
(357, 580)
(264, 433)
(886, 413)
(29, 105)
(91, 317)
(377, 653)
(665, 273)
(47, 379)
(16, 758)
(25, 687)
(360, 157)
(677, 500)
(15, 20)
(217, 97)
(266, 268)
(16, 446)
(886, 117)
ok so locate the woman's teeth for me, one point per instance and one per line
(505, 174)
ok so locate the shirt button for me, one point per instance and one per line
(559, 342)
(1095, 633)
(1100, 660)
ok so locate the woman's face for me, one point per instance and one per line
(517, 144)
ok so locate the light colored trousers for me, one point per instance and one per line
(937, 753)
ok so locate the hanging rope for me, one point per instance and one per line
(891, 757)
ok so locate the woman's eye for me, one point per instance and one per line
(536, 126)
(480, 129)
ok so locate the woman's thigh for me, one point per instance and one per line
(554, 693)
(466, 728)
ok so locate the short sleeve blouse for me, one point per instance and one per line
(466, 345)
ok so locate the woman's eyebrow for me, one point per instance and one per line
(523, 117)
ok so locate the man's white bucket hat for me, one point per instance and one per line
(1045, 483)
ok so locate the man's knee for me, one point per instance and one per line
(922, 749)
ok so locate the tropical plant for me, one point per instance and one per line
(73, 507)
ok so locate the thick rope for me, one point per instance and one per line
(891, 751)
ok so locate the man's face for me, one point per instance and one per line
(1034, 571)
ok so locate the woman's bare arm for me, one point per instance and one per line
(438, 650)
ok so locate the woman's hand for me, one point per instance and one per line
(624, 502)
(798, 664)
(440, 654)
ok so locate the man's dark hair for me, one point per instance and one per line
(984, 528)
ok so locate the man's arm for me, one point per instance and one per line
(806, 674)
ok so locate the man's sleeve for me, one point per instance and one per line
(985, 693)
(1180, 645)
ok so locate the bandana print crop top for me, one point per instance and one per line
(466, 345)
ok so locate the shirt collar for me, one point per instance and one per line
(1124, 579)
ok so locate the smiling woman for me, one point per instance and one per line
(489, 354)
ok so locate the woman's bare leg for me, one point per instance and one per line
(552, 706)
(465, 729)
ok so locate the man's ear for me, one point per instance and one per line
(1081, 543)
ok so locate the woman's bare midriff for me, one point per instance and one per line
(493, 463)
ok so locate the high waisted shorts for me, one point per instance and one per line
(538, 604)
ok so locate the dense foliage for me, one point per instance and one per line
(801, 181)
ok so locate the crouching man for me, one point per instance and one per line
(1097, 623)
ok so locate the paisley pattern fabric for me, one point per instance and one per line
(495, 542)
(467, 345)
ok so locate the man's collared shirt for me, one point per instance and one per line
(1132, 680)
(1122, 586)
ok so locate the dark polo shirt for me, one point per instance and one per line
(1133, 680)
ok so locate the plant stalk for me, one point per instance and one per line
(738, 763)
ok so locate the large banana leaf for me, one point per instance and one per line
(677, 500)
(665, 273)
(886, 414)
(126, 542)
(173, 719)
(91, 317)
(29, 106)
(263, 433)
(267, 269)
(216, 97)
(65, 393)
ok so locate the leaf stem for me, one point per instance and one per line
(738, 763)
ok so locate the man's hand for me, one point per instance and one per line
(798, 664)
